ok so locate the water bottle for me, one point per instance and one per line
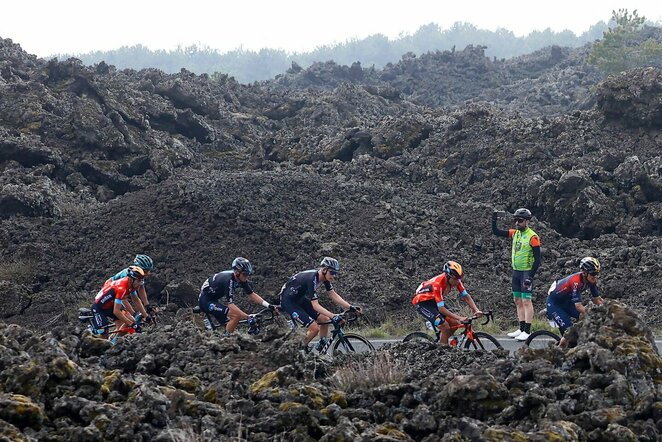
(290, 322)
(207, 323)
(429, 326)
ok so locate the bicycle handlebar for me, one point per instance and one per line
(347, 316)
(487, 315)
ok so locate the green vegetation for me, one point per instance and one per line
(619, 50)
(376, 50)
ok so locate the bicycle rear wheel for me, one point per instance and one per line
(483, 341)
(418, 336)
(542, 339)
(352, 343)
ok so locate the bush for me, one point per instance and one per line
(375, 370)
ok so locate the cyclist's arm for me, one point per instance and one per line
(449, 314)
(580, 308)
(258, 299)
(337, 299)
(496, 230)
(470, 302)
(599, 300)
(128, 307)
(139, 305)
(321, 310)
(142, 293)
(121, 314)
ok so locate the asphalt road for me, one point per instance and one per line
(507, 343)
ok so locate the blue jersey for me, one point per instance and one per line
(304, 284)
(570, 288)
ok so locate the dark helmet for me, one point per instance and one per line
(243, 265)
(451, 268)
(331, 263)
(135, 272)
(589, 264)
(144, 262)
(522, 213)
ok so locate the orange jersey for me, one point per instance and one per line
(435, 289)
(113, 290)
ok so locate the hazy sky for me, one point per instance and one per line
(45, 27)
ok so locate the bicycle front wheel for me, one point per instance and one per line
(352, 343)
(418, 336)
(542, 339)
(483, 341)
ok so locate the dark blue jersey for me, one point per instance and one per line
(304, 284)
(570, 288)
(223, 284)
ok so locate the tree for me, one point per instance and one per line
(619, 48)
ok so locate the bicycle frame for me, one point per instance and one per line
(263, 316)
(338, 332)
(468, 333)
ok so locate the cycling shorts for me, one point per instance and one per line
(214, 308)
(300, 309)
(428, 309)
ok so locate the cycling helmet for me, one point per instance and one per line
(522, 213)
(331, 263)
(135, 272)
(451, 268)
(243, 265)
(144, 262)
(589, 264)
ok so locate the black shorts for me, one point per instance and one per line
(429, 310)
(300, 309)
(517, 282)
(101, 317)
(214, 308)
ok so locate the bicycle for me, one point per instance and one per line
(255, 321)
(469, 339)
(110, 331)
(342, 342)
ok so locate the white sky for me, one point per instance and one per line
(46, 27)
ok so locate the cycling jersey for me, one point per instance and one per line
(113, 292)
(435, 289)
(298, 292)
(123, 274)
(223, 285)
(304, 285)
(562, 297)
(570, 288)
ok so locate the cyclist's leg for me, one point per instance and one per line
(299, 316)
(100, 320)
(428, 309)
(559, 314)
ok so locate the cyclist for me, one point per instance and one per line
(429, 300)
(112, 300)
(298, 297)
(526, 257)
(564, 300)
(222, 286)
(139, 297)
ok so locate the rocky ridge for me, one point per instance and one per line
(177, 382)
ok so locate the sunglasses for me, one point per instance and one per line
(519, 220)
(593, 273)
(333, 272)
